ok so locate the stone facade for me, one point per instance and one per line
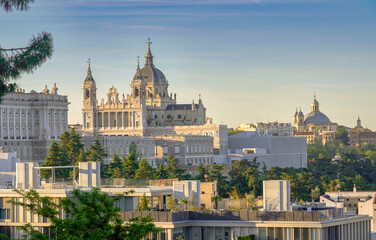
(151, 116)
(29, 121)
(269, 129)
(360, 135)
(149, 105)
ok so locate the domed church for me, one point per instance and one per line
(148, 107)
(314, 121)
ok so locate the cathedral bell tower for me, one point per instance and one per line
(139, 99)
(89, 101)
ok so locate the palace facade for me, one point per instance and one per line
(29, 121)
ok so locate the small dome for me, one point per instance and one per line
(316, 118)
(301, 113)
(150, 74)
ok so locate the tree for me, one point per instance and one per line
(90, 215)
(203, 173)
(171, 203)
(55, 158)
(172, 168)
(97, 152)
(16, 61)
(143, 204)
(130, 165)
(246, 176)
(315, 193)
(115, 168)
(342, 135)
(250, 199)
(161, 172)
(145, 170)
(216, 199)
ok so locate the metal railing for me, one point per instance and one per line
(251, 215)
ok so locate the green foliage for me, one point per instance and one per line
(246, 176)
(115, 168)
(91, 215)
(171, 203)
(71, 146)
(234, 131)
(55, 158)
(14, 62)
(97, 152)
(130, 165)
(342, 135)
(145, 170)
(161, 172)
(20, 5)
(172, 168)
(143, 204)
(249, 237)
(216, 199)
(315, 193)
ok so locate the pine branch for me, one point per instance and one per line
(23, 60)
(20, 5)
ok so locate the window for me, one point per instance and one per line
(177, 149)
(4, 213)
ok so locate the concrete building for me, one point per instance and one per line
(187, 149)
(269, 129)
(313, 224)
(30, 120)
(355, 202)
(368, 207)
(276, 195)
(273, 151)
(346, 199)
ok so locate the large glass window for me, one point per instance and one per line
(210, 233)
(279, 234)
(271, 233)
(305, 233)
(262, 233)
(296, 233)
(218, 233)
(4, 213)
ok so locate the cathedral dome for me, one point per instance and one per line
(150, 74)
(317, 118)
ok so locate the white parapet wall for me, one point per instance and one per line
(89, 174)
(27, 177)
(188, 190)
(276, 195)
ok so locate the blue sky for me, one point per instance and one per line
(251, 60)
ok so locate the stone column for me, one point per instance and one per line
(14, 123)
(109, 120)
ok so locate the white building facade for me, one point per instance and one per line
(29, 121)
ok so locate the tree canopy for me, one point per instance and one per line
(91, 215)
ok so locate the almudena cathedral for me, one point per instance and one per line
(149, 116)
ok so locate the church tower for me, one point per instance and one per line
(89, 101)
(315, 105)
(138, 98)
(358, 123)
